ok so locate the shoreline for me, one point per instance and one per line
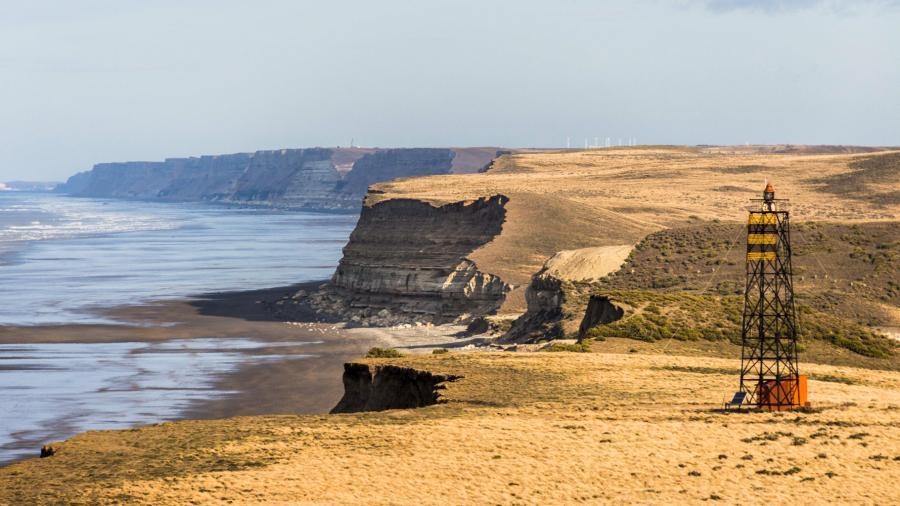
(309, 381)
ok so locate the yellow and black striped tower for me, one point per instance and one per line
(769, 373)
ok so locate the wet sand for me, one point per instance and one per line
(296, 383)
(226, 314)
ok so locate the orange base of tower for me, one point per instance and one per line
(783, 395)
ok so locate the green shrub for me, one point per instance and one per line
(582, 347)
(383, 353)
(440, 351)
(832, 378)
(595, 333)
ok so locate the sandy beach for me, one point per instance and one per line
(303, 380)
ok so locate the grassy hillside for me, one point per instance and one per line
(653, 316)
(687, 283)
(845, 261)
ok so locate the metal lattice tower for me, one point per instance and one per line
(769, 373)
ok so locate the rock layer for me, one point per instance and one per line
(407, 260)
(394, 163)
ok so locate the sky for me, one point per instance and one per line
(112, 80)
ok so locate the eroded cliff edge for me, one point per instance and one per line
(380, 387)
(408, 261)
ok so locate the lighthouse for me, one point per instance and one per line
(770, 377)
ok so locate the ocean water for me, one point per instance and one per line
(56, 390)
(62, 257)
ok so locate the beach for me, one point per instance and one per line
(300, 375)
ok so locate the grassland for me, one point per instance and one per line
(623, 424)
(578, 199)
(685, 283)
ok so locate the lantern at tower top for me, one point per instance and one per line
(769, 196)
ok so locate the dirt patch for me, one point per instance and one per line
(586, 263)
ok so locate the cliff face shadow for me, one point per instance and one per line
(259, 305)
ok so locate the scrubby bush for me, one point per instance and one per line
(674, 316)
(595, 333)
(654, 316)
(581, 347)
(844, 333)
(383, 353)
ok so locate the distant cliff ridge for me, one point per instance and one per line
(314, 178)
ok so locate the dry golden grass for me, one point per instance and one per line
(571, 200)
(520, 428)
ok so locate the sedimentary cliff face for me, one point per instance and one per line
(394, 163)
(187, 179)
(407, 260)
(313, 178)
(542, 319)
(291, 178)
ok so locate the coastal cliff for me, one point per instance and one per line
(314, 178)
(408, 260)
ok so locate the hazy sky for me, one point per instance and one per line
(89, 81)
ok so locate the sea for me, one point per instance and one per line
(65, 259)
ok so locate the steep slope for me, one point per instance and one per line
(204, 178)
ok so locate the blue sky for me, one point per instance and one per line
(137, 80)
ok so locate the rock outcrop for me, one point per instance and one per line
(600, 311)
(551, 295)
(542, 320)
(315, 178)
(407, 261)
(381, 387)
